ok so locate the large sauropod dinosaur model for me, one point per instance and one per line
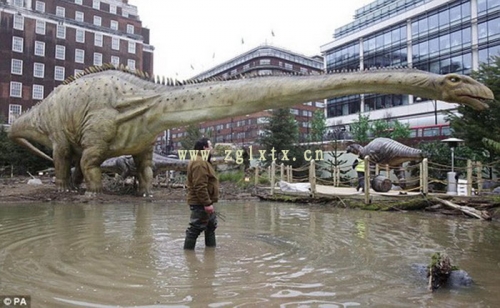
(385, 151)
(107, 113)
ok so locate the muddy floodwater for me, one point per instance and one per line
(268, 255)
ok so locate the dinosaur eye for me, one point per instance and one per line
(454, 79)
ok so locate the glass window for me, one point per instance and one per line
(16, 67)
(40, 27)
(466, 10)
(115, 60)
(60, 11)
(455, 13)
(113, 25)
(433, 21)
(37, 91)
(434, 45)
(39, 70)
(77, 72)
(423, 49)
(481, 5)
(15, 109)
(61, 31)
(493, 28)
(444, 18)
(79, 2)
(39, 48)
(60, 52)
(115, 43)
(18, 22)
(97, 58)
(131, 64)
(40, 6)
(444, 41)
(130, 29)
(79, 16)
(96, 4)
(80, 35)
(131, 47)
(15, 89)
(17, 44)
(466, 36)
(112, 9)
(97, 21)
(79, 55)
(59, 72)
(423, 25)
(98, 39)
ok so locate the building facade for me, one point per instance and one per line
(440, 36)
(46, 41)
(262, 60)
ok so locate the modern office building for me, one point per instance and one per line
(262, 60)
(45, 41)
(439, 36)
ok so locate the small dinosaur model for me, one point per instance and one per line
(385, 151)
(106, 112)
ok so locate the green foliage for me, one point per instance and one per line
(381, 128)
(23, 161)
(193, 134)
(318, 125)
(281, 134)
(400, 130)
(360, 129)
(473, 126)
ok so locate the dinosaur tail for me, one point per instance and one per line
(25, 143)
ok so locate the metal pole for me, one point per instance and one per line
(452, 159)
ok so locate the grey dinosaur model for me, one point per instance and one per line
(385, 151)
(106, 113)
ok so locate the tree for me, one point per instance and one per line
(381, 128)
(400, 130)
(473, 126)
(281, 134)
(360, 129)
(318, 125)
(192, 135)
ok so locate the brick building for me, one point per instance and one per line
(46, 41)
(262, 60)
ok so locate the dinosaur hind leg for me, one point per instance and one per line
(144, 163)
(91, 168)
(62, 164)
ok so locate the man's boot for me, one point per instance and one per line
(189, 243)
(210, 239)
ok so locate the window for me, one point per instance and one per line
(39, 70)
(96, 4)
(79, 55)
(115, 60)
(40, 6)
(19, 3)
(14, 109)
(18, 22)
(39, 48)
(131, 64)
(61, 31)
(60, 52)
(79, 16)
(130, 29)
(112, 9)
(59, 72)
(97, 58)
(15, 89)
(131, 47)
(16, 67)
(98, 39)
(97, 21)
(17, 44)
(80, 2)
(77, 72)
(113, 25)
(60, 11)
(265, 62)
(40, 27)
(115, 43)
(37, 91)
(80, 36)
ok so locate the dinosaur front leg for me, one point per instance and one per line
(91, 168)
(400, 174)
(144, 163)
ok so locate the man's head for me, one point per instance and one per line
(203, 144)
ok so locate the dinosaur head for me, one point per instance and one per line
(354, 148)
(464, 90)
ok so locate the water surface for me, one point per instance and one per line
(268, 255)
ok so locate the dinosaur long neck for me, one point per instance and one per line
(211, 101)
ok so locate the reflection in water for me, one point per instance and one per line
(269, 254)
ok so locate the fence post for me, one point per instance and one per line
(256, 180)
(289, 174)
(367, 179)
(312, 177)
(479, 173)
(273, 175)
(469, 177)
(282, 172)
(377, 169)
(425, 176)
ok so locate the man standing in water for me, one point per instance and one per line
(203, 192)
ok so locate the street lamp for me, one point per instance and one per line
(452, 181)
